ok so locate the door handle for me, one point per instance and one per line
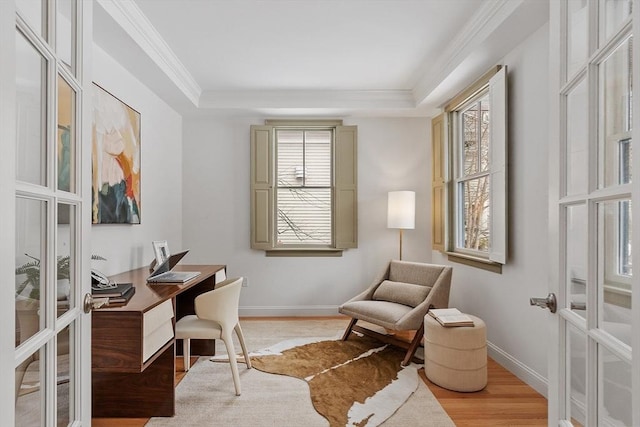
(548, 302)
(91, 303)
(578, 305)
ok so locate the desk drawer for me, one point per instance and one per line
(157, 328)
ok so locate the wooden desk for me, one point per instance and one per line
(133, 346)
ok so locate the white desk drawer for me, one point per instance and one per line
(157, 328)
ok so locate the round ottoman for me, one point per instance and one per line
(456, 357)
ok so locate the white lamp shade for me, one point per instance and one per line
(401, 211)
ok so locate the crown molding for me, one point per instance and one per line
(133, 21)
(368, 99)
(482, 25)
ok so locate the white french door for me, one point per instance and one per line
(593, 377)
(45, 211)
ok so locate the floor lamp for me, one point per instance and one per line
(401, 212)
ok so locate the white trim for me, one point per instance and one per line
(129, 16)
(7, 208)
(368, 99)
(488, 18)
(536, 381)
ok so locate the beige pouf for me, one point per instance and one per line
(456, 357)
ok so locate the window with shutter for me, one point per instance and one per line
(477, 208)
(303, 187)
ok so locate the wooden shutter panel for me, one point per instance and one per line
(262, 187)
(498, 148)
(346, 187)
(437, 183)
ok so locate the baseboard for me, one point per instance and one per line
(519, 369)
(284, 311)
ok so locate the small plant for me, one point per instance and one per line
(31, 270)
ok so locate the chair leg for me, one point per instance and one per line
(186, 353)
(228, 342)
(413, 346)
(347, 332)
(247, 360)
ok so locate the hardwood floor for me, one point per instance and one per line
(506, 401)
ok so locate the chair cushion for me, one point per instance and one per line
(401, 293)
(193, 327)
(383, 313)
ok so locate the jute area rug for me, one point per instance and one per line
(206, 396)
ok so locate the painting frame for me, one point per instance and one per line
(115, 160)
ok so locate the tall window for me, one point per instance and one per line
(472, 181)
(470, 204)
(303, 186)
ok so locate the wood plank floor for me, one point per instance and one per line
(506, 401)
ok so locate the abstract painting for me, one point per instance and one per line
(116, 160)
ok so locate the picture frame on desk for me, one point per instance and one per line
(161, 250)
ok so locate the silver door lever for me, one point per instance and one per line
(548, 302)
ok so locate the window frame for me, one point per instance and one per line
(446, 160)
(263, 189)
(460, 178)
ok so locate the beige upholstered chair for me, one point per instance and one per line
(216, 317)
(398, 299)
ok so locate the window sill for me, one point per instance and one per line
(481, 263)
(304, 252)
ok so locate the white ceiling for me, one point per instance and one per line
(311, 57)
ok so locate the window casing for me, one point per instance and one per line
(303, 187)
(470, 174)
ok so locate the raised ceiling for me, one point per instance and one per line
(311, 57)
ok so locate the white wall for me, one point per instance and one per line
(129, 246)
(392, 155)
(517, 331)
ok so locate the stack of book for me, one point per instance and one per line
(118, 293)
(449, 317)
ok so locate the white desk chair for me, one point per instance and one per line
(216, 316)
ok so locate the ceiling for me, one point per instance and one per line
(311, 57)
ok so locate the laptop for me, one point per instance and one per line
(163, 273)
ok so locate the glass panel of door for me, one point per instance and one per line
(576, 373)
(576, 259)
(30, 283)
(614, 279)
(29, 390)
(614, 384)
(34, 12)
(31, 101)
(577, 140)
(615, 75)
(66, 138)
